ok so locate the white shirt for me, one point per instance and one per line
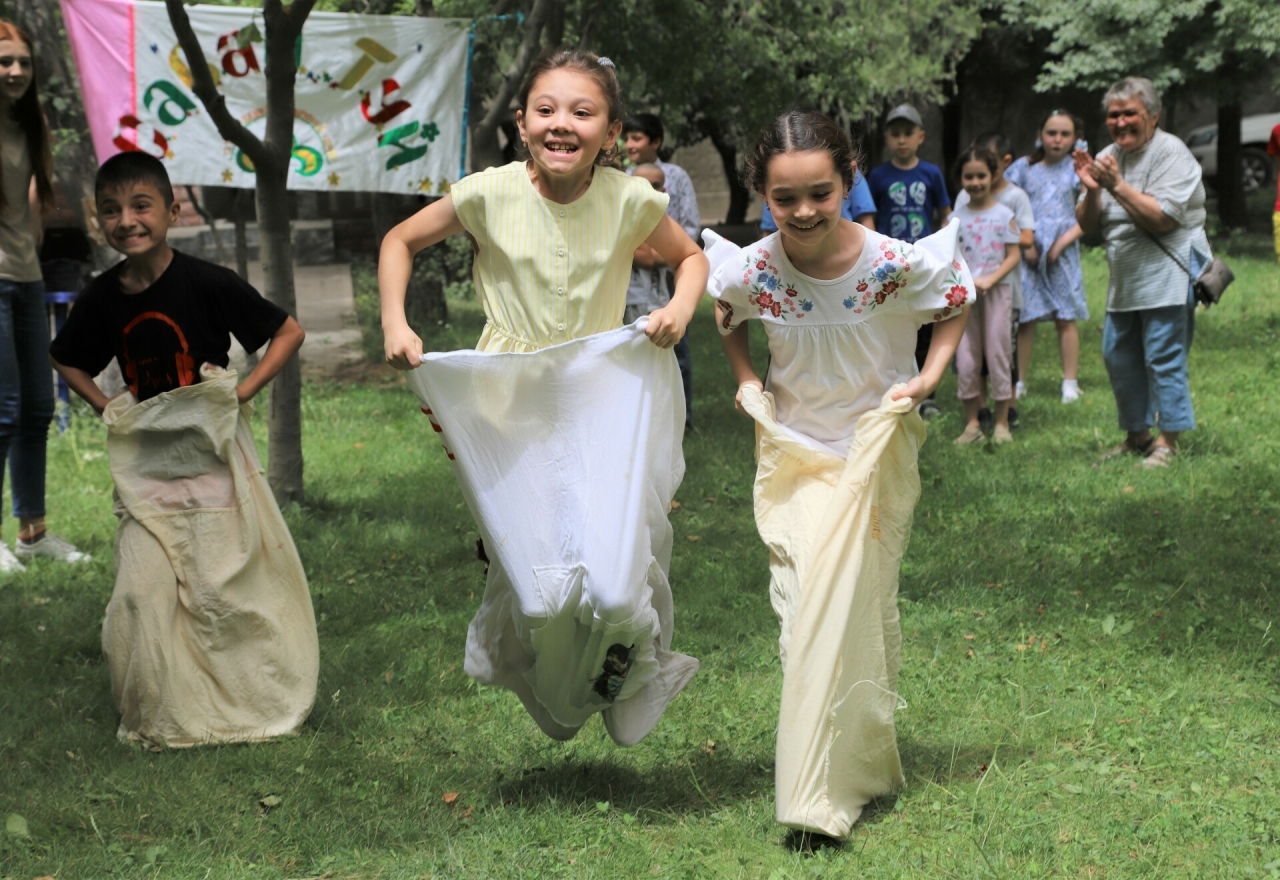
(1014, 198)
(837, 346)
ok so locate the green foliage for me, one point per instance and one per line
(1064, 746)
(1219, 44)
(730, 66)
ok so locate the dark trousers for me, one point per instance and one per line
(26, 392)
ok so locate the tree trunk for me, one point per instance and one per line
(739, 195)
(275, 244)
(1230, 185)
(271, 157)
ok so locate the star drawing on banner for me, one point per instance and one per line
(154, 48)
(227, 176)
(334, 178)
(425, 184)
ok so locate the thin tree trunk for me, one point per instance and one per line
(209, 221)
(1230, 185)
(739, 195)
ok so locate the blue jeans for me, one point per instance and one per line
(26, 392)
(1146, 356)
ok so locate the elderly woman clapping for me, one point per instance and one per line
(1145, 195)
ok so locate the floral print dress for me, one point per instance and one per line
(836, 346)
(1051, 291)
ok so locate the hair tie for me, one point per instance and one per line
(606, 62)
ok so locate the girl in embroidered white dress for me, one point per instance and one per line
(840, 305)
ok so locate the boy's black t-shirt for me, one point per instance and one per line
(163, 335)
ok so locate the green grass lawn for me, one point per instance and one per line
(1090, 661)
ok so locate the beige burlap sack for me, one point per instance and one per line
(836, 531)
(209, 634)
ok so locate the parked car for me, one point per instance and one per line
(1256, 167)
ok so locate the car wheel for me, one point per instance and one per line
(1256, 169)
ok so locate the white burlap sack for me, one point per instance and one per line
(209, 634)
(569, 458)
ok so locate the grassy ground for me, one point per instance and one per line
(1090, 659)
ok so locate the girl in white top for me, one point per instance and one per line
(989, 241)
(840, 305)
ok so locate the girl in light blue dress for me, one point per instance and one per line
(1052, 282)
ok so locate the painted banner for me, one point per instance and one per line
(381, 100)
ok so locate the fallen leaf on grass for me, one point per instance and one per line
(450, 797)
(693, 537)
(969, 653)
(710, 747)
(357, 445)
(16, 825)
(269, 801)
(1128, 490)
(969, 637)
(675, 505)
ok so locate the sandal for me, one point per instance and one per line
(1159, 457)
(1126, 448)
(972, 434)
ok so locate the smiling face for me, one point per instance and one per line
(1131, 126)
(805, 193)
(640, 148)
(976, 178)
(1057, 137)
(15, 69)
(135, 218)
(565, 123)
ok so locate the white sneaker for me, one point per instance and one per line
(9, 563)
(1070, 391)
(1020, 390)
(50, 546)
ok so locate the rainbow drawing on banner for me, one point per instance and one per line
(380, 100)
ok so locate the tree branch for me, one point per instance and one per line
(519, 65)
(202, 84)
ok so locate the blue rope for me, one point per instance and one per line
(466, 101)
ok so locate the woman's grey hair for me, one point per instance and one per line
(1133, 87)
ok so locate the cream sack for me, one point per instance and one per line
(209, 635)
(569, 458)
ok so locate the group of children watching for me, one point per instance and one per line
(848, 310)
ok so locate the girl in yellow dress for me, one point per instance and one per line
(577, 613)
(554, 234)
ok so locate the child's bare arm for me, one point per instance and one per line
(667, 325)
(431, 225)
(1072, 235)
(737, 349)
(946, 339)
(283, 345)
(1011, 258)
(82, 383)
(647, 258)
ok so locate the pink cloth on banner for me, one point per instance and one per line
(101, 35)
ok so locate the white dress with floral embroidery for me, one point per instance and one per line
(837, 346)
(836, 485)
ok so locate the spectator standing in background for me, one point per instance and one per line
(642, 136)
(911, 201)
(26, 385)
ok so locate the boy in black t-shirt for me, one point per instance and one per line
(162, 314)
(209, 635)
